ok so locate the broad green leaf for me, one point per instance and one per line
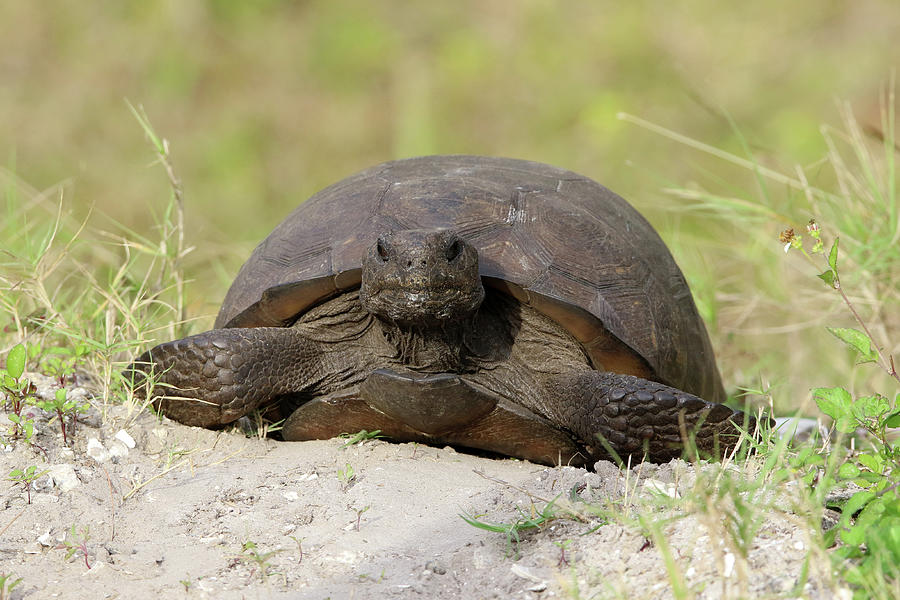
(871, 406)
(857, 340)
(874, 511)
(893, 420)
(835, 402)
(61, 395)
(15, 361)
(847, 424)
(856, 502)
(832, 255)
(848, 470)
(853, 535)
(872, 462)
(873, 479)
(827, 277)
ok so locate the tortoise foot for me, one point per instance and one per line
(218, 376)
(635, 416)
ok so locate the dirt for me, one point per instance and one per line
(172, 516)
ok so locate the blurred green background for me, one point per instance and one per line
(265, 102)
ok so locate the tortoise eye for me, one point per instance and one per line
(454, 250)
(381, 250)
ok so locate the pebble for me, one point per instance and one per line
(524, 573)
(435, 567)
(659, 487)
(96, 450)
(47, 540)
(117, 450)
(728, 559)
(64, 477)
(124, 437)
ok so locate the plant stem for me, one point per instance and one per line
(887, 365)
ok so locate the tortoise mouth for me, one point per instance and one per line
(423, 304)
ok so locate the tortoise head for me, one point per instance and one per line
(421, 277)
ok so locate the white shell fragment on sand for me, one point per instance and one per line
(124, 437)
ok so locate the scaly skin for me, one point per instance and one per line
(218, 376)
(631, 413)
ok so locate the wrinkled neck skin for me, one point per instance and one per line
(434, 348)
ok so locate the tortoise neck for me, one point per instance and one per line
(433, 348)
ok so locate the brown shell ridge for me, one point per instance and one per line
(280, 305)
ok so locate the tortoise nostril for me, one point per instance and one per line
(381, 250)
(454, 250)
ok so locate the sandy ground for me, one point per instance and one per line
(167, 518)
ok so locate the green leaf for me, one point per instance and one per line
(7, 381)
(871, 406)
(848, 470)
(835, 402)
(853, 535)
(867, 479)
(857, 340)
(474, 522)
(872, 462)
(15, 361)
(893, 419)
(61, 396)
(828, 277)
(832, 255)
(856, 502)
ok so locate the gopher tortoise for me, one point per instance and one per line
(486, 303)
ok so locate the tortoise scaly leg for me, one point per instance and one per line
(635, 414)
(216, 377)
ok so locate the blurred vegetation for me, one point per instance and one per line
(265, 102)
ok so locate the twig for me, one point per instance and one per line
(21, 512)
(511, 486)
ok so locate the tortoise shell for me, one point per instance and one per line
(555, 240)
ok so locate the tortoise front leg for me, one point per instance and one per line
(218, 376)
(635, 415)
